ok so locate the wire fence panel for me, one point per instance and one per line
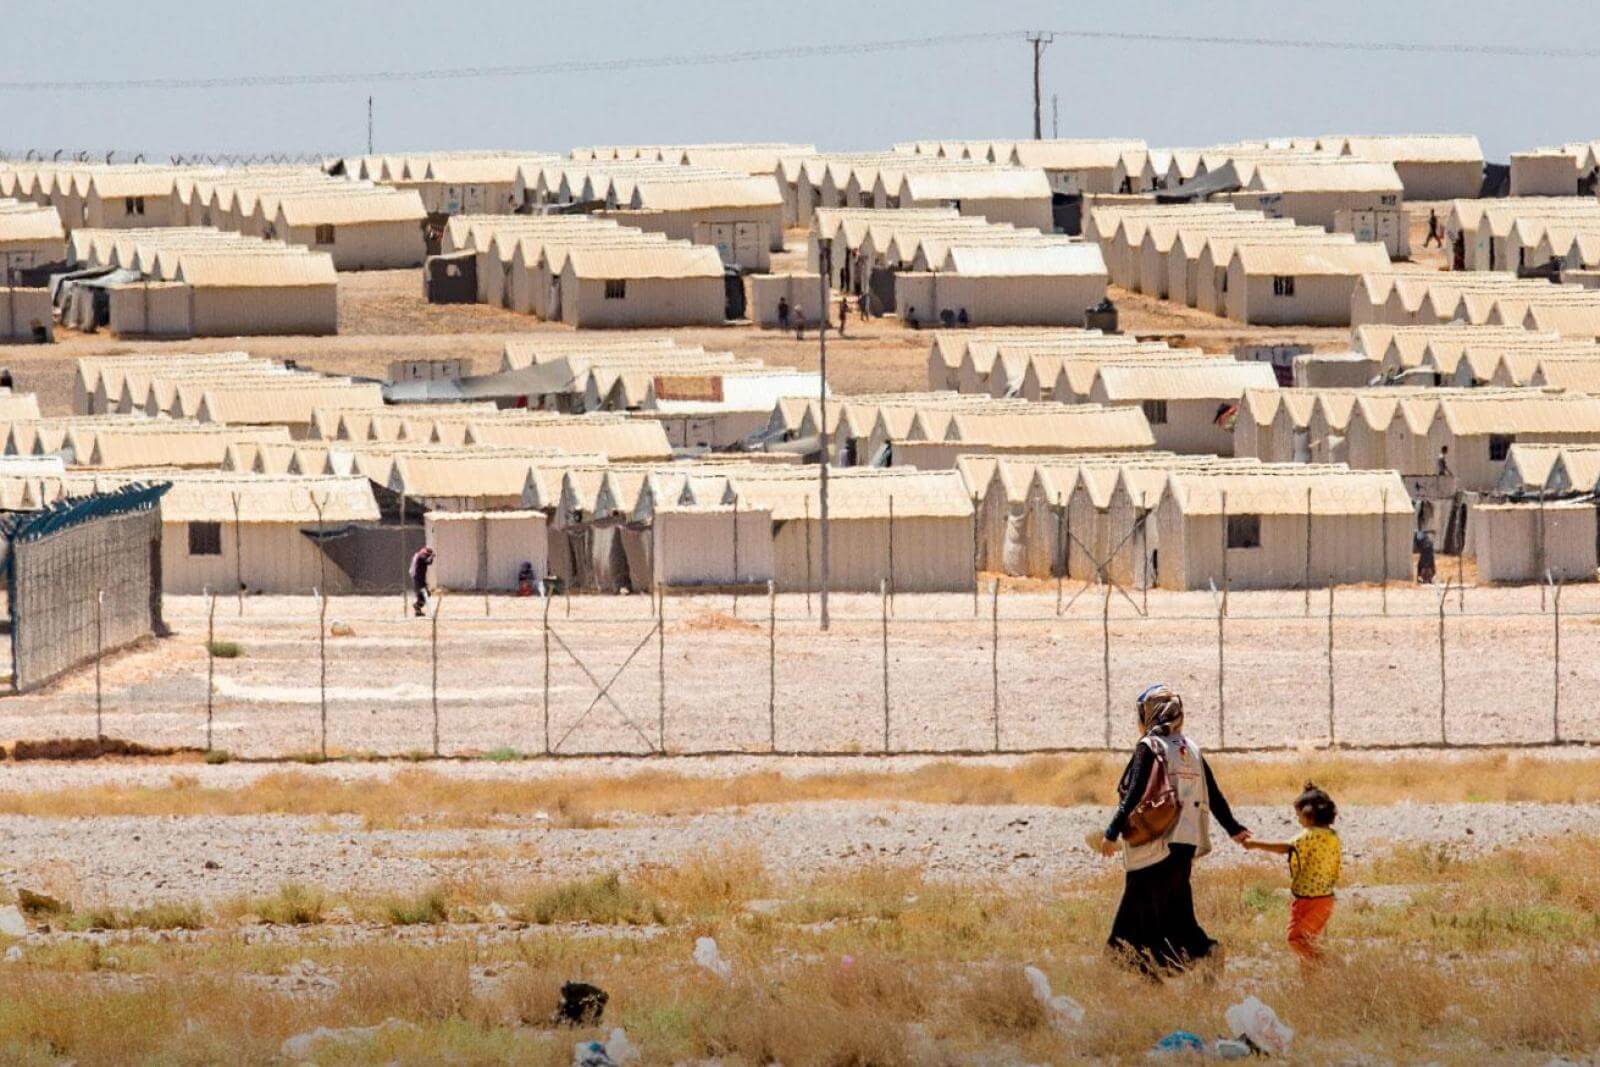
(1271, 689)
(719, 682)
(488, 689)
(1386, 679)
(1179, 653)
(1488, 700)
(603, 693)
(941, 691)
(831, 685)
(268, 697)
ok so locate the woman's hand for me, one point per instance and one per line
(1106, 847)
(1242, 838)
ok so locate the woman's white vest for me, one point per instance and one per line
(1188, 774)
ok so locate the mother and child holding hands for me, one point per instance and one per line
(1162, 824)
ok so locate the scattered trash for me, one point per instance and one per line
(301, 1046)
(12, 924)
(14, 954)
(617, 1051)
(1064, 1011)
(341, 629)
(582, 1004)
(1229, 1049)
(1253, 1020)
(707, 955)
(1180, 1041)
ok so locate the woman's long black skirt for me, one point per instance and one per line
(1155, 929)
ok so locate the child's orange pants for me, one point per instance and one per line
(1307, 918)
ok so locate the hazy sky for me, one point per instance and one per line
(1167, 94)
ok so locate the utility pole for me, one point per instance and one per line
(1040, 42)
(825, 268)
(1055, 116)
(369, 125)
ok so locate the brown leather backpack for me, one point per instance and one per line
(1157, 811)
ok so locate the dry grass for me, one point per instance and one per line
(580, 802)
(1474, 960)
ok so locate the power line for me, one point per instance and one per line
(534, 70)
(710, 59)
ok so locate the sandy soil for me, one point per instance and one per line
(133, 860)
(827, 694)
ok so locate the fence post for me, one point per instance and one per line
(1333, 736)
(404, 598)
(891, 551)
(976, 569)
(322, 667)
(736, 558)
(1384, 534)
(437, 604)
(994, 657)
(211, 662)
(1461, 577)
(1305, 580)
(547, 599)
(661, 676)
(807, 502)
(1555, 714)
(772, 665)
(1444, 682)
(1061, 550)
(238, 557)
(483, 554)
(1224, 551)
(99, 653)
(883, 596)
(1105, 656)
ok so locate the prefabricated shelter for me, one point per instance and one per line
(1430, 166)
(381, 230)
(673, 285)
(1018, 195)
(710, 545)
(1018, 285)
(1280, 530)
(911, 529)
(1029, 429)
(30, 236)
(1544, 172)
(1190, 407)
(1298, 285)
(1314, 192)
(1533, 542)
(486, 550)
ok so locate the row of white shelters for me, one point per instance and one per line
(590, 272)
(1020, 196)
(1515, 233)
(451, 183)
(1495, 298)
(1431, 166)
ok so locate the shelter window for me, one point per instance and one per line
(1282, 285)
(1244, 531)
(133, 205)
(616, 288)
(324, 235)
(1155, 412)
(1500, 446)
(205, 539)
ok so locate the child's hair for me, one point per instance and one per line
(1317, 804)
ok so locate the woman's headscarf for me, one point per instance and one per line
(1160, 711)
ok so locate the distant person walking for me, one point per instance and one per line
(844, 312)
(1427, 566)
(799, 317)
(419, 577)
(783, 313)
(1435, 230)
(864, 305)
(1155, 930)
(1442, 463)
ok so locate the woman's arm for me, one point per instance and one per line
(1282, 848)
(1219, 804)
(1137, 776)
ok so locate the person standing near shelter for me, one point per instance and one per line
(419, 577)
(1435, 230)
(783, 313)
(799, 316)
(844, 312)
(1155, 930)
(1422, 545)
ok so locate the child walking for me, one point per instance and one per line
(1314, 856)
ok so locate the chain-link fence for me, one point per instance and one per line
(1357, 667)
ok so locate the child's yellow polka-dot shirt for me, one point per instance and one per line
(1314, 862)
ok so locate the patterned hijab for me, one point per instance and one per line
(1160, 711)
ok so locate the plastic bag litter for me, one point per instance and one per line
(708, 956)
(1252, 1019)
(617, 1051)
(1064, 1011)
(1178, 1041)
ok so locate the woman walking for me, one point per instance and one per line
(1168, 797)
